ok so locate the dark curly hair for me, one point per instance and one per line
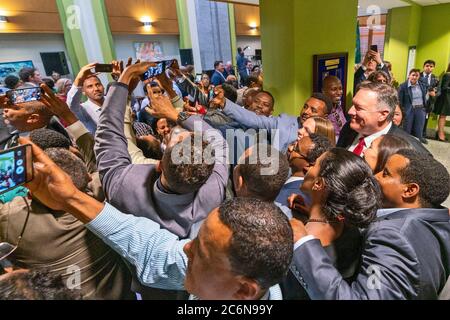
(265, 172)
(185, 166)
(431, 176)
(46, 138)
(352, 190)
(35, 285)
(261, 245)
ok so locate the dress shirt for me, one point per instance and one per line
(417, 97)
(156, 253)
(88, 112)
(428, 77)
(369, 139)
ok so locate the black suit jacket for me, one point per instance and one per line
(348, 135)
(434, 83)
(405, 96)
(406, 255)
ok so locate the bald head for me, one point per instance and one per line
(332, 88)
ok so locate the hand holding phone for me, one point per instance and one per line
(374, 47)
(160, 67)
(16, 167)
(102, 68)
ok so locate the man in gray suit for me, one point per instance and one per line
(406, 252)
(178, 196)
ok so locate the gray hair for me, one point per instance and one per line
(387, 96)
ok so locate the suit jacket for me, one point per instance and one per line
(244, 74)
(405, 96)
(405, 255)
(348, 135)
(285, 126)
(287, 190)
(134, 189)
(360, 76)
(217, 79)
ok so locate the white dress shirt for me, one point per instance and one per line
(369, 139)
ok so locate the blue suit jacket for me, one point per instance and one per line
(405, 96)
(405, 255)
(217, 79)
(284, 127)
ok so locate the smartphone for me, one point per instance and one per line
(16, 167)
(198, 78)
(102, 68)
(374, 47)
(24, 95)
(159, 69)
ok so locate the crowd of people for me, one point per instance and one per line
(198, 191)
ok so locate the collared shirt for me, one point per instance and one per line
(428, 77)
(292, 179)
(88, 112)
(156, 253)
(337, 118)
(417, 98)
(369, 139)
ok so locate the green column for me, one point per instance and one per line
(83, 24)
(183, 24)
(72, 35)
(232, 33)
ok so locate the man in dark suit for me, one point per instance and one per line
(246, 72)
(371, 117)
(413, 98)
(431, 82)
(303, 157)
(406, 252)
(218, 78)
(372, 62)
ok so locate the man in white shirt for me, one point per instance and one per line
(88, 84)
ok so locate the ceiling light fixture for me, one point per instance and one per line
(3, 19)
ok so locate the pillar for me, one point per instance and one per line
(86, 33)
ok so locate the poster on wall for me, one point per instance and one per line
(334, 64)
(8, 68)
(148, 51)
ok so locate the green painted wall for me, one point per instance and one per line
(434, 40)
(402, 32)
(292, 32)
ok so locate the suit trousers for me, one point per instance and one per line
(415, 121)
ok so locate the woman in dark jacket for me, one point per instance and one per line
(442, 106)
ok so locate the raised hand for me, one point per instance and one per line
(161, 107)
(84, 73)
(56, 106)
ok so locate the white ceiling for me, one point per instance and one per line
(430, 2)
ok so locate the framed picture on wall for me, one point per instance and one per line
(334, 64)
(149, 51)
(8, 68)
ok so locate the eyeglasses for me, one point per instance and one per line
(6, 249)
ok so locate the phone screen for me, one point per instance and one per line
(198, 78)
(24, 95)
(105, 68)
(374, 48)
(159, 69)
(16, 167)
(154, 71)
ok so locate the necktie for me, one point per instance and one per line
(428, 79)
(360, 147)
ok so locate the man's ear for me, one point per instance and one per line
(238, 181)
(410, 192)
(383, 115)
(159, 167)
(248, 289)
(33, 118)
